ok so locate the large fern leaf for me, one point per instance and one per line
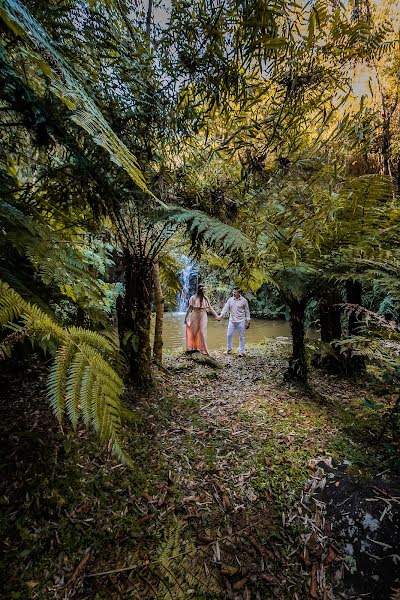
(210, 231)
(57, 259)
(82, 383)
(65, 84)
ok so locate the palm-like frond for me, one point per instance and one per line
(381, 268)
(364, 206)
(209, 231)
(169, 276)
(81, 382)
(65, 84)
(377, 340)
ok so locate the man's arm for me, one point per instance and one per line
(226, 308)
(247, 313)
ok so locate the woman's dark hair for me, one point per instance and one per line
(200, 293)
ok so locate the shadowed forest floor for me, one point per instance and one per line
(243, 487)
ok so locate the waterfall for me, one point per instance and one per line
(187, 275)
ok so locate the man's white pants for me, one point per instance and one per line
(240, 328)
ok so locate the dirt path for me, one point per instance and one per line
(210, 509)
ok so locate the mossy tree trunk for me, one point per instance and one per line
(80, 317)
(159, 302)
(134, 316)
(298, 370)
(330, 318)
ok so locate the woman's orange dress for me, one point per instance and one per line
(196, 327)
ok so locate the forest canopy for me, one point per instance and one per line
(263, 134)
(256, 139)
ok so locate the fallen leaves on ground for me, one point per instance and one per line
(221, 456)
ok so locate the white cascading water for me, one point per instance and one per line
(185, 276)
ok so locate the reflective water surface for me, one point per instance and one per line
(174, 331)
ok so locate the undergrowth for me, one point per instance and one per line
(217, 464)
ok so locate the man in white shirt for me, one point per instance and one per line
(239, 319)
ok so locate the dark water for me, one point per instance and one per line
(260, 329)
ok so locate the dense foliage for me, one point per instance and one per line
(258, 140)
(237, 134)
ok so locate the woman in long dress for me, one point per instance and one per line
(196, 321)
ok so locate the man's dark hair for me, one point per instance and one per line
(237, 289)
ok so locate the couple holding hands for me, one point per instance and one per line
(196, 320)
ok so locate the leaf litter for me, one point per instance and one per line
(226, 498)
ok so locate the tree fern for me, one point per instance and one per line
(54, 260)
(364, 207)
(57, 260)
(65, 84)
(207, 230)
(81, 382)
(377, 340)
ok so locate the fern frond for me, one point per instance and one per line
(76, 373)
(85, 395)
(58, 378)
(10, 306)
(53, 260)
(364, 206)
(180, 567)
(81, 380)
(98, 341)
(24, 287)
(67, 87)
(377, 340)
(208, 230)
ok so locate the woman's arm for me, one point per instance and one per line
(225, 309)
(211, 308)
(189, 310)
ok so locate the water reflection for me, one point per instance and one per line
(260, 329)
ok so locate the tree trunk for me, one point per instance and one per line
(387, 112)
(148, 18)
(80, 317)
(297, 364)
(398, 176)
(331, 330)
(134, 317)
(354, 296)
(387, 169)
(329, 316)
(159, 302)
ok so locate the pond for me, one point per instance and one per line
(260, 329)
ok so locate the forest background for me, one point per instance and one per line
(260, 138)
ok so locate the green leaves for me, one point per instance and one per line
(58, 260)
(82, 383)
(65, 84)
(364, 210)
(207, 230)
